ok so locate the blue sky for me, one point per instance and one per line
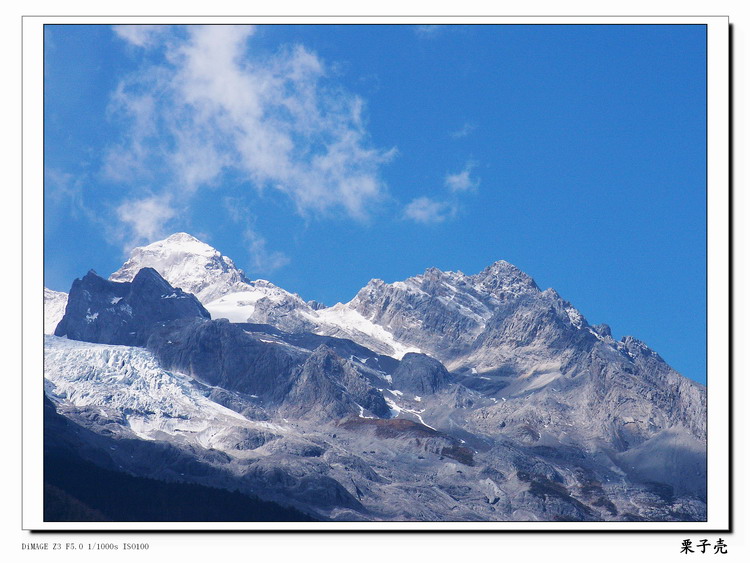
(319, 157)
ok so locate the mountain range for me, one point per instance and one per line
(443, 397)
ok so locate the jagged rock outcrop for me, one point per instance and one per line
(124, 313)
(327, 387)
(419, 374)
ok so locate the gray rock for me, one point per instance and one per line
(124, 313)
(420, 374)
(222, 354)
(328, 388)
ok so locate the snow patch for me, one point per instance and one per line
(362, 412)
(239, 307)
(340, 318)
(576, 318)
(395, 409)
(54, 309)
(418, 414)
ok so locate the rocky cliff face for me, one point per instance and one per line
(221, 354)
(124, 313)
(327, 388)
(468, 321)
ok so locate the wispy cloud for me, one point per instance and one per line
(213, 105)
(427, 210)
(145, 218)
(464, 131)
(262, 260)
(428, 30)
(462, 181)
(141, 35)
(64, 191)
(64, 195)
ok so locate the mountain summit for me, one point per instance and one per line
(198, 268)
(187, 263)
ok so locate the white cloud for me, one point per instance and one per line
(145, 218)
(215, 106)
(426, 210)
(462, 181)
(140, 35)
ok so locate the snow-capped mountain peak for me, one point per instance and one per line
(198, 268)
(187, 263)
(503, 278)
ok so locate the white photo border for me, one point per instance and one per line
(718, 282)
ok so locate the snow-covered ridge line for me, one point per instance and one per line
(198, 268)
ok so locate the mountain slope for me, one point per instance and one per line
(54, 309)
(505, 338)
(555, 379)
(445, 396)
(124, 312)
(78, 488)
(341, 465)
